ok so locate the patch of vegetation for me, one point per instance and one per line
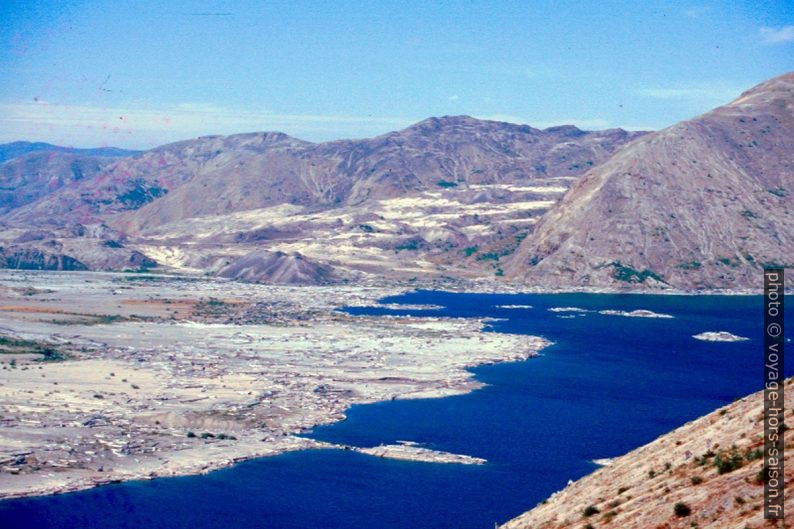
(746, 213)
(774, 264)
(411, 245)
(689, 265)
(499, 272)
(590, 510)
(10, 345)
(778, 192)
(8, 341)
(469, 250)
(151, 278)
(696, 480)
(629, 274)
(214, 308)
(681, 509)
(492, 256)
(728, 464)
(727, 261)
(446, 183)
(140, 194)
(90, 319)
(366, 228)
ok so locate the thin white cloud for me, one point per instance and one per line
(779, 35)
(717, 94)
(695, 11)
(454, 98)
(145, 127)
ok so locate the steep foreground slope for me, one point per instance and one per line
(703, 204)
(710, 467)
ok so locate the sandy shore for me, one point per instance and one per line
(167, 376)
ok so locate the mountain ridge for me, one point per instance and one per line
(702, 204)
(14, 149)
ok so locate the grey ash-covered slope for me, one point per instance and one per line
(217, 174)
(702, 204)
(278, 267)
(407, 202)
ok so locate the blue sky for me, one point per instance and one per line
(139, 74)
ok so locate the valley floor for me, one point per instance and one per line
(109, 377)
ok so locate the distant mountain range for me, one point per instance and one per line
(411, 203)
(703, 204)
(18, 148)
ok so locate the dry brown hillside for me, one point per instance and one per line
(702, 204)
(710, 465)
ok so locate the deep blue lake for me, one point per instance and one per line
(607, 385)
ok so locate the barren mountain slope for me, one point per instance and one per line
(19, 148)
(435, 153)
(702, 204)
(31, 176)
(710, 465)
(445, 196)
(217, 174)
(277, 267)
(130, 183)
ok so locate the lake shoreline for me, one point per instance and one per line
(130, 405)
